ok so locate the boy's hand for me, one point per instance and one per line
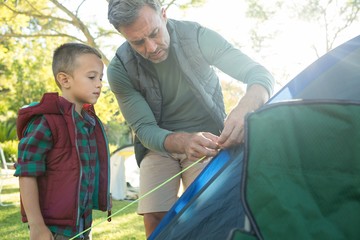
(40, 232)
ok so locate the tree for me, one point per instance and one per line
(334, 18)
(310, 20)
(54, 19)
(29, 32)
(262, 12)
(331, 16)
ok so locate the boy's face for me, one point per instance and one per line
(85, 82)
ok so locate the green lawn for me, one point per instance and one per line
(125, 225)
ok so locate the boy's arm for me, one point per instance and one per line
(33, 148)
(30, 200)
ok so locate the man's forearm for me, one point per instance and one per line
(255, 97)
(175, 142)
(233, 132)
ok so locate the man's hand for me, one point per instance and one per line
(194, 145)
(233, 132)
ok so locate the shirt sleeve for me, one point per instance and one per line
(33, 148)
(230, 60)
(135, 109)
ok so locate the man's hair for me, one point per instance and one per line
(65, 56)
(125, 12)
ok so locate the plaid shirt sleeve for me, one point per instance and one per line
(33, 147)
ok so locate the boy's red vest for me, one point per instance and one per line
(59, 187)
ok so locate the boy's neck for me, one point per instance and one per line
(78, 106)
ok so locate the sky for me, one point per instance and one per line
(285, 56)
(292, 48)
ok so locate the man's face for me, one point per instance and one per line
(148, 35)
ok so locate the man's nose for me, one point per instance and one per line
(150, 45)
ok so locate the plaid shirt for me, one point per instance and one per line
(35, 144)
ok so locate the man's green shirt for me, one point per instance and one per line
(181, 111)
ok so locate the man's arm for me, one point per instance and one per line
(30, 199)
(135, 109)
(230, 60)
(233, 132)
(236, 64)
(142, 121)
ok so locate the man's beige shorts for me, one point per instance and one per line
(155, 169)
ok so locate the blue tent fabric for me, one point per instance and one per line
(335, 75)
(211, 207)
(218, 179)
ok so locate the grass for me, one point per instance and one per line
(126, 225)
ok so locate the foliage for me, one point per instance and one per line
(118, 134)
(29, 33)
(107, 108)
(49, 19)
(25, 73)
(10, 149)
(7, 130)
(263, 12)
(233, 91)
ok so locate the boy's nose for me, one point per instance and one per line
(99, 84)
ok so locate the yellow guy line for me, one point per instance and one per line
(137, 200)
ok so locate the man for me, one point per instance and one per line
(169, 94)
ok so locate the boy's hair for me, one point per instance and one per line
(65, 56)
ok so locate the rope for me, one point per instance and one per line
(137, 200)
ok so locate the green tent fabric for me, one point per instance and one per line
(301, 176)
(237, 234)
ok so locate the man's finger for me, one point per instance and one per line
(235, 138)
(225, 135)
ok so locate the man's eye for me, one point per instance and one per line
(92, 78)
(138, 43)
(154, 34)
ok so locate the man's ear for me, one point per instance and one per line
(163, 14)
(63, 79)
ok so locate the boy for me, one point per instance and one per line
(63, 159)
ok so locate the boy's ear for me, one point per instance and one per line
(63, 79)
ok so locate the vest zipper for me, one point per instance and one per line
(80, 167)
(108, 197)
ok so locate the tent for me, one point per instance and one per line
(215, 203)
(124, 178)
(305, 182)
